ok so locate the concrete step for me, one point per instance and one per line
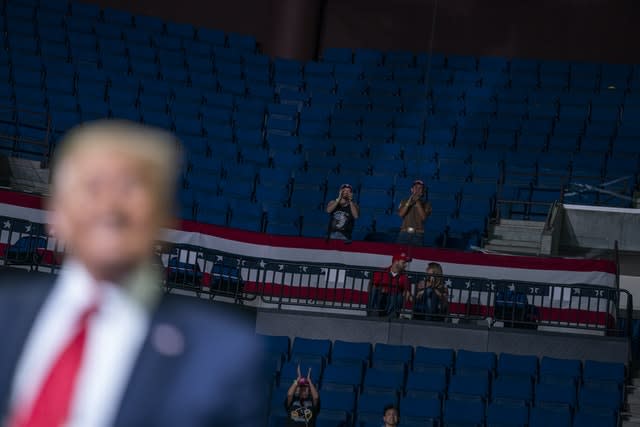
(511, 247)
(515, 233)
(522, 223)
(631, 423)
(514, 243)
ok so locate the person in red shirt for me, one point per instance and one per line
(390, 288)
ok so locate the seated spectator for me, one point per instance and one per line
(344, 212)
(302, 402)
(432, 297)
(390, 288)
(391, 416)
(413, 211)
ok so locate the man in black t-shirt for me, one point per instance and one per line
(343, 211)
(302, 402)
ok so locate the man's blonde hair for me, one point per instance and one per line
(155, 148)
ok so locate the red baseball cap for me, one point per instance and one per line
(401, 257)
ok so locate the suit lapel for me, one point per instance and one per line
(154, 372)
(18, 310)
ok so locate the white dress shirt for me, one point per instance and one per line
(115, 336)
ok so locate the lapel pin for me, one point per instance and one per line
(167, 340)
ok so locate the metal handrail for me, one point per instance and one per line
(216, 274)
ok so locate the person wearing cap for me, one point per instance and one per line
(302, 402)
(390, 288)
(413, 211)
(432, 296)
(343, 212)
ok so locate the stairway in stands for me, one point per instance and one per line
(28, 176)
(515, 236)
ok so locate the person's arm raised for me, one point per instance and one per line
(312, 388)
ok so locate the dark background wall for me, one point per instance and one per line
(601, 30)
(596, 30)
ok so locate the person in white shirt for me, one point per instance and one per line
(145, 358)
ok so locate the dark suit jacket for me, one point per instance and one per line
(213, 381)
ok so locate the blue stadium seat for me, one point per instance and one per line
(545, 417)
(427, 357)
(468, 387)
(420, 411)
(278, 344)
(311, 346)
(392, 352)
(462, 412)
(213, 210)
(553, 370)
(596, 372)
(430, 383)
(345, 352)
(337, 406)
(382, 381)
(556, 396)
(474, 361)
(512, 391)
(588, 419)
(342, 377)
(515, 365)
(600, 400)
(499, 415)
(370, 407)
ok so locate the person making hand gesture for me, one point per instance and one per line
(302, 402)
(413, 211)
(343, 213)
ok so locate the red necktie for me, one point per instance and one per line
(52, 402)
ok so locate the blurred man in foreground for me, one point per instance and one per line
(99, 345)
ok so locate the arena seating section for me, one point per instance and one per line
(443, 387)
(268, 142)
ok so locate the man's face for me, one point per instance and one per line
(105, 208)
(401, 265)
(391, 417)
(347, 193)
(417, 189)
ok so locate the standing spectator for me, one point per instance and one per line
(414, 211)
(432, 297)
(390, 288)
(302, 402)
(391, 416)
(344, 212)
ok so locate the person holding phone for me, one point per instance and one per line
(414, 211)
(431, 301)
(343, 212)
